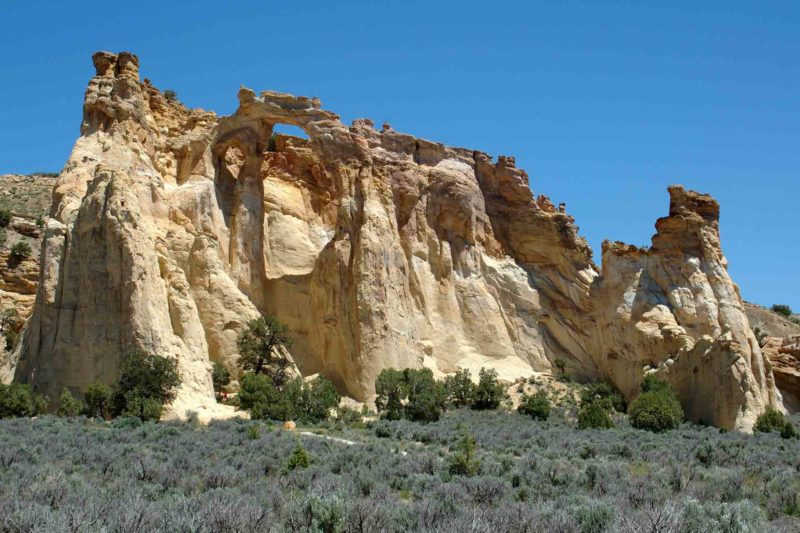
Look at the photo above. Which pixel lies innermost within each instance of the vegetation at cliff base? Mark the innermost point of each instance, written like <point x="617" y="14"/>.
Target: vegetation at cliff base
<point x="19" y="400"/>
<point x="262" y="348"/>
<point x="657" y="408"/>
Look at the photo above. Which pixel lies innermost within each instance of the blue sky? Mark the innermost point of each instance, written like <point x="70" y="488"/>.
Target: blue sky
<point x="603" y="103"/>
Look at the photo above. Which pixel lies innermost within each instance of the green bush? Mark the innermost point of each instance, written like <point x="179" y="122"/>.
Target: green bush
<point x="5" y="218"/>
<point x="220" y="377"/>
<point x="594" y="415"/>
<point x="426" y="396"/>
<point x="462" y="461"/>
<point x="459" y="388"/>
<point x="788" y="431"/>
<point x="68" y="405"/>
<point x="537" y="406"/>
<point x="782" y="309"/>
<point x="145" y="383"/>
<point x="170" y="95"/>
<point x="299" y="458"/>
<point x="20" y="251"/>
<point x="258" y="395"/>
<point x="391" y="389"/>
<point x="304" y="401"/>
<point x="17" y="400"/>
<point x="11" y="336"/>
<point x="773" y="420"/>
<point x="657" y="408"/>
<point x="348" y="415"/>
<point x="272" y="143"/>
<point x="605" y="393"/>
<point x="142" y="407"/>
<point x="769" y="421"/>
<point x="98" y="400"/>
<point x="410" y="393"/>
<point x="489" y="393"/>
<point x="316" y="399"/>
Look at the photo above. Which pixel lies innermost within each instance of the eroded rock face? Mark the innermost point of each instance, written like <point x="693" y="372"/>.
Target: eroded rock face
<point x="673" y="310"/>
<point x="784" y="356"/>
<point x="173" y="227"/>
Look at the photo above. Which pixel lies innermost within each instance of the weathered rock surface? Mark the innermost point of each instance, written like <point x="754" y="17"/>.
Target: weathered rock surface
<point x="781" y="345"/>
<point x="673" y="310"/>
<point x="784" y="356"/>
<point x="173" y="227"/>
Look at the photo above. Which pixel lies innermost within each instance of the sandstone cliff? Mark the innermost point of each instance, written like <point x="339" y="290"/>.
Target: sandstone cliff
<point x="780" y="340"/>
<point x="173" y="227"/>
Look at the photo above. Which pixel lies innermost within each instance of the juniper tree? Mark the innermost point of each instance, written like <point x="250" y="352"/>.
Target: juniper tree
<point x="261" y="348"/>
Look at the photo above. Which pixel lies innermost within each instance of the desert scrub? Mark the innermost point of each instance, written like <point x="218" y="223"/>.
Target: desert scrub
<point x="533" y="476"/>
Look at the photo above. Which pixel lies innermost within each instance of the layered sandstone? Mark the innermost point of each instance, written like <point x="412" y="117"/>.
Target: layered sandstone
<point x="673" y="310"/>
<point x="173" y="227"/>
<point x="780" y="340"/>
<point x="784" y="355"/>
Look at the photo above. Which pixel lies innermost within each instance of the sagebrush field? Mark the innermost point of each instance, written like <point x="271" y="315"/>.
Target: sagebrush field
<point x="87" y="475"/>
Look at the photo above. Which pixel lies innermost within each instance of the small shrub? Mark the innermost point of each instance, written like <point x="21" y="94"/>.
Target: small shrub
<point x="769" y="421"/>
<point x="594" y="415"/>
<point x="170" y="95"/>
<point x="605" y="393"/>
<point x="489" y="393"/>
<point x="253" y="433"/>
<point x="19" y="400"/>
<point x="773" y="420"/>
<point x="5" y="218"/>
<point x="69" y="406"/>
<point x="316" y="400"/>
<point x="782" y="309"/>
<point x="788" y="431"/>
<point x="272" y="144"/>
<point x="98" y="400"/>
<point x="459" y="388"/>
<point x="426" y="396"/>
<point x="391" y="389"/>
<point x="306" y="401"/>
<point x="299" y="458"/>
<point x="348" y="415"/>
<point x="537" y="406"/>
<point x="142" y="407"/>
<point x="561" y="365"/>
<point x="11" y="336"/>
<point x="20" y="252"/>
<point x="657" y="408"/>
<point x="462" y="461"/>
<point x="220" y="377"/>
<point x="264" y="401"/>
<point x="146" y="382"/>
<point x="411" y="394"/>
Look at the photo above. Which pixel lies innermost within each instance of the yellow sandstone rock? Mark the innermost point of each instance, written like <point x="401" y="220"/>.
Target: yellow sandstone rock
<point x="173" y="227"/>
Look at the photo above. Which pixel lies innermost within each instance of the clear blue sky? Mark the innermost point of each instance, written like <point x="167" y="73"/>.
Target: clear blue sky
<point x="603" y="103"/>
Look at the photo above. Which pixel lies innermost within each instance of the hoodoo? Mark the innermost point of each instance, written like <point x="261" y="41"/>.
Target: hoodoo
<point x="171" y="228"/>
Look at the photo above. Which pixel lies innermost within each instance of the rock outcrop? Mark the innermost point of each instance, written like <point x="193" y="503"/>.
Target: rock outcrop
<point x="779" y="337"/>
<point x="673" y="310"/>
<point x="171" y="228"/>
<point x="784" y="356"/>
